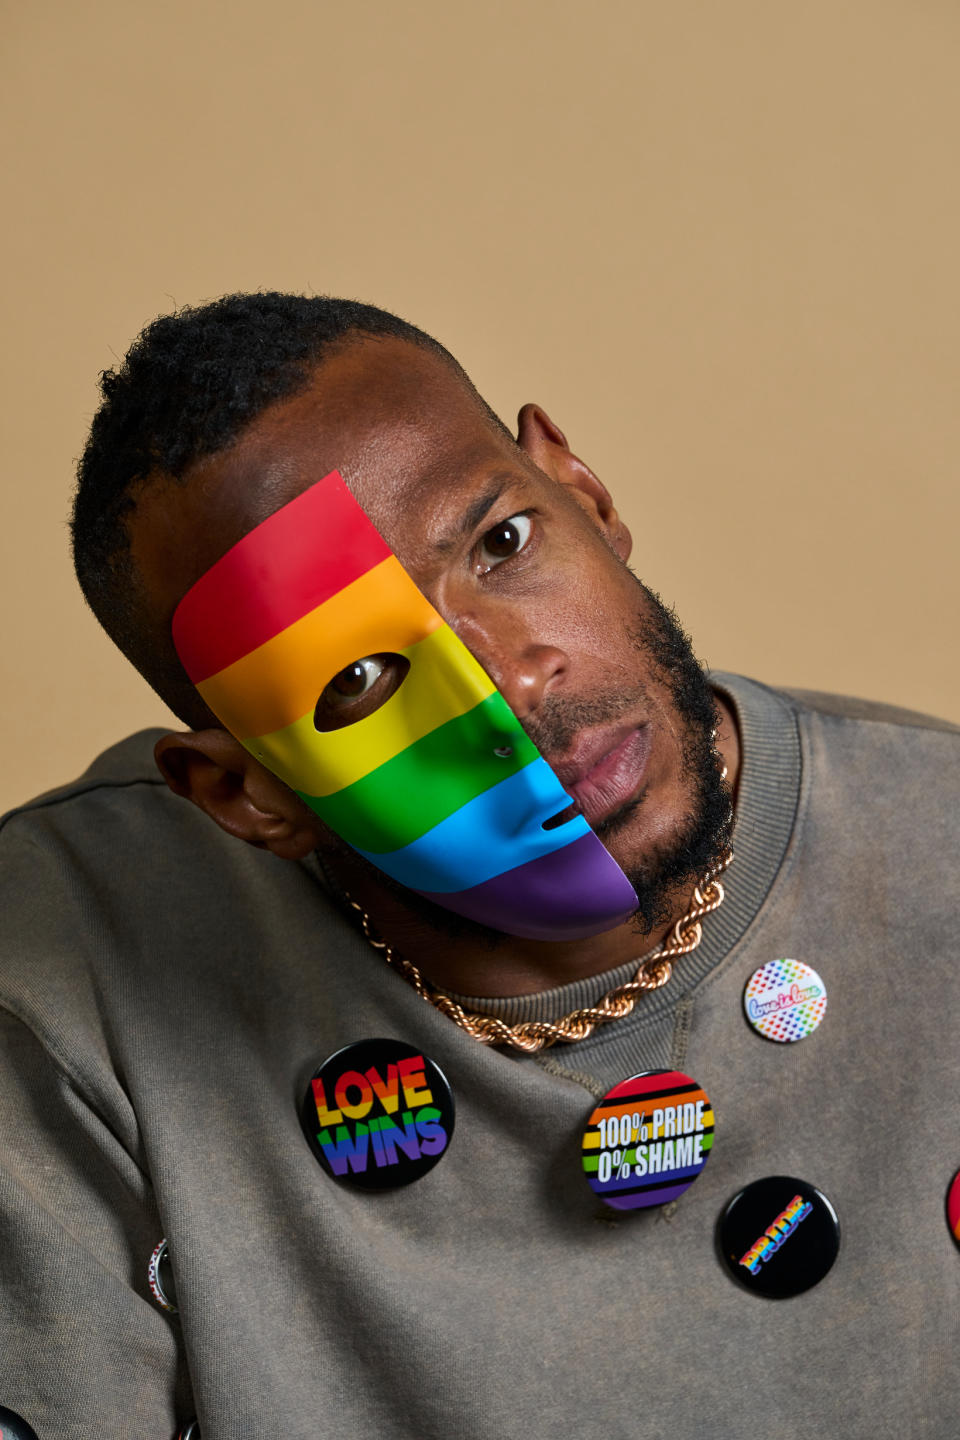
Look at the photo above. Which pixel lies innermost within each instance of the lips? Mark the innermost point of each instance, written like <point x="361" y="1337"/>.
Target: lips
<point x="602" y="773"/>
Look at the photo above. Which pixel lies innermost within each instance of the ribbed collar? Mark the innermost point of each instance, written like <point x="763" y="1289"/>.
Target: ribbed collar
<point x="767" y="798"/>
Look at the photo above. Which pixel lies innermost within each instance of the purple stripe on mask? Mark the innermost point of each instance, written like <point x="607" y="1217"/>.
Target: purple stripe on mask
<point x="577" y="891"/>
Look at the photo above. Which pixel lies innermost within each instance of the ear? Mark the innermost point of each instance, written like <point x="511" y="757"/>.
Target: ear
<point x="213" y="770"/>
<point x="547" y="447"/>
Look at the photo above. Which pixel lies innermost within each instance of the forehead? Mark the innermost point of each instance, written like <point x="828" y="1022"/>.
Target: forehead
<point x="410" y="439"/>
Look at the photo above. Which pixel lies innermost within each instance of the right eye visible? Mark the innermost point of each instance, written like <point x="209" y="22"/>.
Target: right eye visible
<point x="357" y="678"/>
<point x="358" y="690"/>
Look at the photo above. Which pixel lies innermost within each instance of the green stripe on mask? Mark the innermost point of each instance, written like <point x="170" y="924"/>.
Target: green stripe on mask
<point x="408" y="795"/>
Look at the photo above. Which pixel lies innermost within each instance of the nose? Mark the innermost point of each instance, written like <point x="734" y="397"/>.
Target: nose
<point x="523" y="669"/>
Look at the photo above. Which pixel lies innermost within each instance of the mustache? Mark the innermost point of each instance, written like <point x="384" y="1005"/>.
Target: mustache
<point x="661" y="640"/>
<point x="558" y="721"/>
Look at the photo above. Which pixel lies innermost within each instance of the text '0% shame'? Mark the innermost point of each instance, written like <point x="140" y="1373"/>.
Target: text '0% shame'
<point x="616" y="1133"/>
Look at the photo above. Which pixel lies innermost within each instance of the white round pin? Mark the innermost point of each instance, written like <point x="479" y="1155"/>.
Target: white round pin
<point x="785" y="1000"/>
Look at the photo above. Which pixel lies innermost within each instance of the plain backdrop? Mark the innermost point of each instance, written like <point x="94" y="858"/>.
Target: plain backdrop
<point x="717" y="239"/>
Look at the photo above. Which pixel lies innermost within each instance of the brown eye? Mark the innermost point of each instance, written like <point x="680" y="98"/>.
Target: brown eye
<point x="357" y="678"/>
<point x="358" y="690"/>
<point x="506" y="539"/>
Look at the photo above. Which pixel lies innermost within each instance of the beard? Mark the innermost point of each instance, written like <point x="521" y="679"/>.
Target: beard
<point x="703" y="832"/>
<point x="701" y="836"/>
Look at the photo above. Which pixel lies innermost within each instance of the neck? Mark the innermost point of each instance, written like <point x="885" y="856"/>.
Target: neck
<point x="475" y="964"/>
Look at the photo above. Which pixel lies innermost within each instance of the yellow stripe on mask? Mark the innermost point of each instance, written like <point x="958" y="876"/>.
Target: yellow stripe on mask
<point x="444" y="682"/>
<point x="280" y="681"/>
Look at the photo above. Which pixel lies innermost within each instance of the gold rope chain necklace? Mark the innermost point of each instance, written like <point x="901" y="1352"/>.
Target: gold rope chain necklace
<point x="531" y="1035"/>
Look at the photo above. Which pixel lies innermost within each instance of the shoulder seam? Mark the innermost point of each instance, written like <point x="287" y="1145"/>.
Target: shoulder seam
<point x="60" y="1064"/>
<point x="47" y="802"/>
<point x="884" y="712"/>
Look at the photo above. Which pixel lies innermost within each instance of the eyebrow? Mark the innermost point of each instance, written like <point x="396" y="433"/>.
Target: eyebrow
<point x="474" y="513"/>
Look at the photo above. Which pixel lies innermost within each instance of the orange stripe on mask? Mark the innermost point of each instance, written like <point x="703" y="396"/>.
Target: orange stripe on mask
<point x="281" y="680"/>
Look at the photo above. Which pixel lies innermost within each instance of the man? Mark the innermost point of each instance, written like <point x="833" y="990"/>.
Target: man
<point x="179" y="1005"/>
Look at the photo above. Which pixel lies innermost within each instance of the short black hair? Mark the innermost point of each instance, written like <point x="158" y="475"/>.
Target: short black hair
<point x="190" y="383"/>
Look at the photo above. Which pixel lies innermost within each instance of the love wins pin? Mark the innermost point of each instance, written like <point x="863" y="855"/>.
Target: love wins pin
<point x="378" y="1114"/>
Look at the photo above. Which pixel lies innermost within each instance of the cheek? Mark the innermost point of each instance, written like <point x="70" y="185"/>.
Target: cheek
<point x="591" y="608"/>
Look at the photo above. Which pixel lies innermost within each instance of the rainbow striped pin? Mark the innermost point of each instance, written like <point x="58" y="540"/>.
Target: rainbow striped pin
<point x="953" y="1207"/>
<point x="648" y="1139"/>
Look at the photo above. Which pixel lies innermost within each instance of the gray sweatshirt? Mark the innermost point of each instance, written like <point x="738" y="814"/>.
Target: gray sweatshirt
<point x="167" y="993"/>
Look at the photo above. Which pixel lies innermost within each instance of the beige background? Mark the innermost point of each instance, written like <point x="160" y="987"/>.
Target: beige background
<point x="717" y="239"/>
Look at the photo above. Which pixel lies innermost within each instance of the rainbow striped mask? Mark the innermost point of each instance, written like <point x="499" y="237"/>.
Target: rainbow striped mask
<point x="440" y="787"/>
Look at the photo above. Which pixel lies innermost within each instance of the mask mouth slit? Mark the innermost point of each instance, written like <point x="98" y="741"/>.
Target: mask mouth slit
<point x="570" y="812"/>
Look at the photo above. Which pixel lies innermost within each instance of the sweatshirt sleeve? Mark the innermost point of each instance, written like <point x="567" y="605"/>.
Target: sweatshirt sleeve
<point x="85" y="1350"/>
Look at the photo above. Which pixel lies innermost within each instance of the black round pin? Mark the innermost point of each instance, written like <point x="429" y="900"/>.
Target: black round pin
<point x="14" y="1427"/>
<point x="378" y="1114"/>
<point x="779" y="1236"/>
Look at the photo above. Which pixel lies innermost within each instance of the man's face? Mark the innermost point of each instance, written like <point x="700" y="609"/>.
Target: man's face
<point x="318" y="652"/>
<point x="518" y="554"/>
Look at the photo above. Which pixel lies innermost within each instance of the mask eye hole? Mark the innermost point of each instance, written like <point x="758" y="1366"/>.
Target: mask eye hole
<point x="358" y="690"/>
